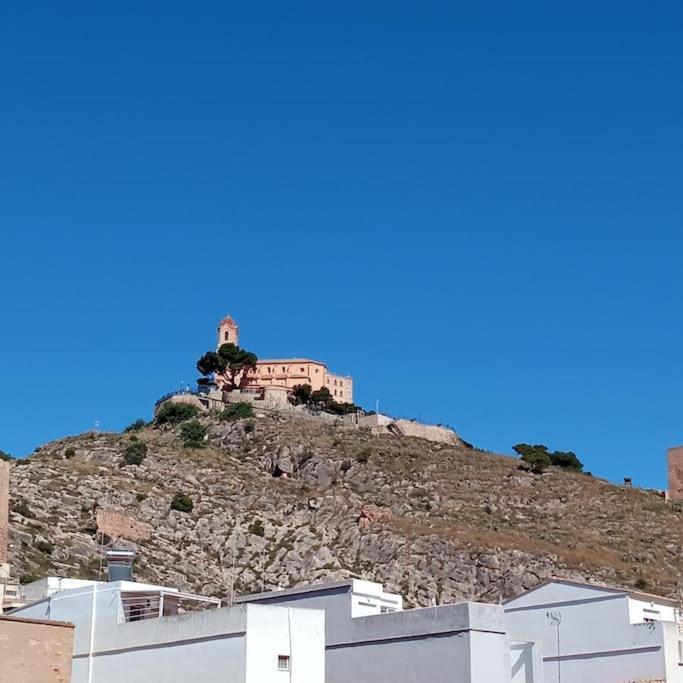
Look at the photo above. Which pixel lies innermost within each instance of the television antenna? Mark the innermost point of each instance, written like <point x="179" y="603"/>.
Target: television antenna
<point x="555" y="619"/>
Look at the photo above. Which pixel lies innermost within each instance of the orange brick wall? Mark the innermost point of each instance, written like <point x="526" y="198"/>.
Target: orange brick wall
<point x="118" y="524"/>
<point x="35" y="651"/>
<point x="676" y="473"/>
<point x="4" y="510"/>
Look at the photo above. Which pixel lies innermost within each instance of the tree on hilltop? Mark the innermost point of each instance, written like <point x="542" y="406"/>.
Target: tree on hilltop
<point x="301" y="394"/>
<point x="230" y="364"/>
<point x="540" y="458"/>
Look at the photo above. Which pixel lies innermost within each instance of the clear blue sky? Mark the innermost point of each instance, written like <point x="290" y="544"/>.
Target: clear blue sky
<point x="476" y="213"/>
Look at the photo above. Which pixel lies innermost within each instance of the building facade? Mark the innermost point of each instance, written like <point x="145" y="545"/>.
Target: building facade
<point x="369" y="637"/>
<point x="675" y="491"/>
<point x="134" y="632"/>
<point x="594" y="633"/>
<point x="288" y="372"/>
<point x="35" y="650"/>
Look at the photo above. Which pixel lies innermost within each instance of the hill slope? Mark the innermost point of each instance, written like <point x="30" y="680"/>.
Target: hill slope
<point x="298" y="500"/>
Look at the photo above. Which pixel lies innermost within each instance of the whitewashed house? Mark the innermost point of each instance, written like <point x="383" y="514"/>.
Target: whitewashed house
<point x="135" y="632"/>
<point x="369" y="637"/>
<point x="591" y="633"/>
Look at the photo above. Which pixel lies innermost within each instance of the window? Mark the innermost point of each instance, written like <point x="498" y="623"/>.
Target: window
<point x="316" y="371"/>
<point x="301" y="370"/>
<point x="283" y="662"/>
<point x="226" y="335"/>
<point x="284" y="369"/>
<point x="386" y="610"/>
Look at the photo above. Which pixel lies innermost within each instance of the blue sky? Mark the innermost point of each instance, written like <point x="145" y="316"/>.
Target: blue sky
<point x="476" y="213"/>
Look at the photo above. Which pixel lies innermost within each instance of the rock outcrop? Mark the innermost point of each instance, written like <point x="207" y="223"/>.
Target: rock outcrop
<point x="289" y="500"/>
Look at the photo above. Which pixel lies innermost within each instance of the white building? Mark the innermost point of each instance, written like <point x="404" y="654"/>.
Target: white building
<point x="591" y="633"/>
<point x="370" y="638"/>
<point x="135" y="632"/>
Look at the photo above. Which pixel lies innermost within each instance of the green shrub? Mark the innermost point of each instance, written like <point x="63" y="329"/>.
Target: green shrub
<point x="174" y="413"/>
<point x="567" y="460"/>
<point x="257" y="528"/>
<point x="69" y="453"/>
<point x="192" y="434"/>
<point x="140" y="497"/>
<point x="236" y="411"/>
<point x="364" y="455"/>
<point x="538" y="456"/>
<point x="134" y="426"/>
<point x="537" y="460"/>
<point x="641" y="584"/>
<point x="5" y="456"/>
<point x="28" y="577"/>
<point x="182" y="503"/>
<point x="135" y="453"/>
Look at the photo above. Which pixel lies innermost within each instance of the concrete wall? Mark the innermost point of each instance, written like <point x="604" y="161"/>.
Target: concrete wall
<point x="675" y="462"/>
<point x="35" y="651"/>
<point x="298" y="633"/>
<point x="462" y="643"/>
<point x="429" y="432"/>
<point x="597" y="641"/>
<point x="225" y="645"/>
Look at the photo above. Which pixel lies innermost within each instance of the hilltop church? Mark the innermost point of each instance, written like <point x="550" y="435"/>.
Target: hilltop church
<point x="288" y="372"/>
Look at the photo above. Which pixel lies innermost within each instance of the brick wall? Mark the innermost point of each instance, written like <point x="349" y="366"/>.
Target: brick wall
<point x="676" y="473"/>
<point x="4" y="510"/>
<point x="117" y="524"/>
<point x="34" y="651"/>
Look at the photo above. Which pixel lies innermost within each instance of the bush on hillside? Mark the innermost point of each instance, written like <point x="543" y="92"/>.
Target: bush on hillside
<point x="174" y="413"/>
<point x="257" y="528"/>
<point x="537" y="461"/>
<point x="135" y="453"/>
<point x="236" y="411"/>
<point x="192" y="434"/>
<point x="182" y="503"/>
<point x="70" y="452"/>
<point x="539" y="456"/>
<point x="5" y="456"/>
<point x="567" y="460"/>
<point x="134" y="426"/>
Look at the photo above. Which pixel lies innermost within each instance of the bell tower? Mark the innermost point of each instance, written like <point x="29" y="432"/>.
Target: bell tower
<point x="228" y="332"/>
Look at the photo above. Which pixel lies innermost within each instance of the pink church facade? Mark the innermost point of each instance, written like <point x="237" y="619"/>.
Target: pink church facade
<point x="288" y="372"/>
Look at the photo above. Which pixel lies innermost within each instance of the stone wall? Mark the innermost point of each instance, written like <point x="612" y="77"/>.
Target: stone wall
<point x="423" y="431"/>
<point x="33" y="651"/>
<point x="4" y="511"/>
<point x="676" y="474"/>
<point x="116" y="523"/>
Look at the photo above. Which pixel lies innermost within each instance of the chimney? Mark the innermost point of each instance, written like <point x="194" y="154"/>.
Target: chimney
<point x="120" y="565"/>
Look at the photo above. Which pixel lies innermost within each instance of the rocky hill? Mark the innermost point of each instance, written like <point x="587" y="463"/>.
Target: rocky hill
<point x="296" y="500"/>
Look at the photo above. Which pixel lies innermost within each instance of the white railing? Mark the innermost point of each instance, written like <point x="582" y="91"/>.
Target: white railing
<point x="139" y="606"/>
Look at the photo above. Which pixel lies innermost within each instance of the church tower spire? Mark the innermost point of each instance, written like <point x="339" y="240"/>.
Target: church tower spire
<point x="228" y="332"/>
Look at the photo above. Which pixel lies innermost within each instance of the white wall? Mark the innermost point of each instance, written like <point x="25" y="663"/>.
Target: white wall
<point x="463" y="643"/>
<point x="597" y="640"/>
<point x="274" y="631"/>
<point x="640" y="610"/>
<point x="526" y="663"/>
<point x="210" y="645"/>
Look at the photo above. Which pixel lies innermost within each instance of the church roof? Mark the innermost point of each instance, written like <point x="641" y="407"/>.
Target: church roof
<point x="228" y="320"/>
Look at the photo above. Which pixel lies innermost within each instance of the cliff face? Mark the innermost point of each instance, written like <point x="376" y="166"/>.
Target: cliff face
<point x="290" y="500"/>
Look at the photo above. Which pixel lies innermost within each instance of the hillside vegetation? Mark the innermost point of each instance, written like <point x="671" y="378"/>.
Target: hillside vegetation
<point x="293" y="500"/>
